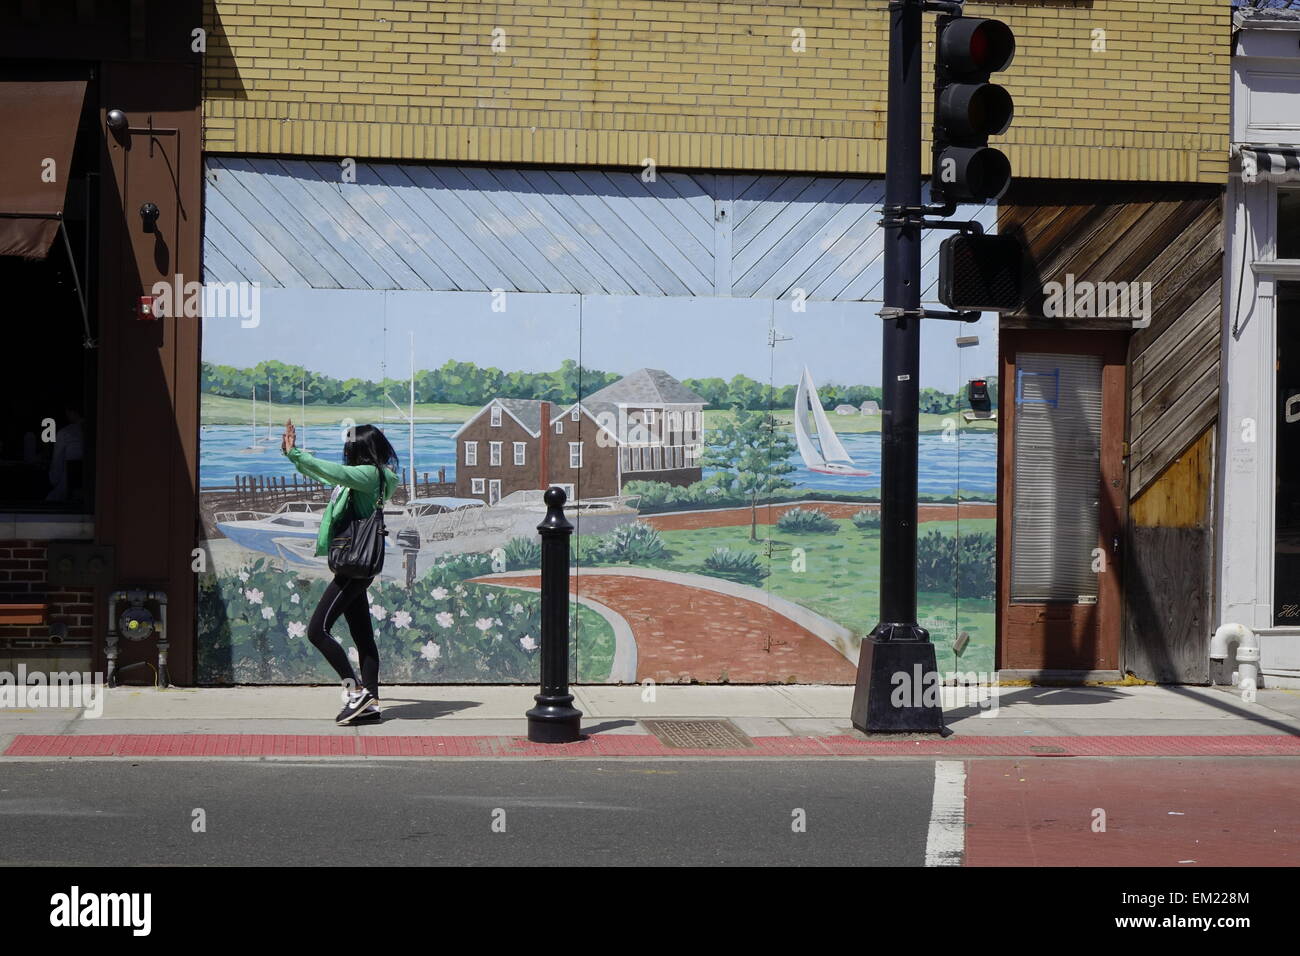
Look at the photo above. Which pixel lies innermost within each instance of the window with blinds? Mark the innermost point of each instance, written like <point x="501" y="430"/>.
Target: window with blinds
<point x="1057" y="477"/>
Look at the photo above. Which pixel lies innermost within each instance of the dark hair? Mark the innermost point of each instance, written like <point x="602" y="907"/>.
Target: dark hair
<point x="368" y="446"/>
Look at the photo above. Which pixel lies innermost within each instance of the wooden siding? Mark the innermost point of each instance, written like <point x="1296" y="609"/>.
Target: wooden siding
<point x="1170" y="236"/>
<point x="1168" y="570"/>
<point x="292" y="224"/>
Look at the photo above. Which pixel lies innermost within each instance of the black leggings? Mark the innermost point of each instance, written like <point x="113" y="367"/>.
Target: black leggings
<point x="347" y="596"/>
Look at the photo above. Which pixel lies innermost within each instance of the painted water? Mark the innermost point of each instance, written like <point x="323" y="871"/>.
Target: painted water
<point x="965" y="458"/>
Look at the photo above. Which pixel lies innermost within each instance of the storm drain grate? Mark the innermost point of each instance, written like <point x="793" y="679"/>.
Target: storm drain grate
<point x="699" y="734"/>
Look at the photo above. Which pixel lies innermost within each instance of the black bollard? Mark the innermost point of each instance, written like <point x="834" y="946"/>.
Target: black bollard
<point x="555" y="720"/>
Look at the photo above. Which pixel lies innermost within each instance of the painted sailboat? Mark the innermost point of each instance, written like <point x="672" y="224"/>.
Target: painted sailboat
<point x="827" y="454"/>
<point x="258" y="444"/>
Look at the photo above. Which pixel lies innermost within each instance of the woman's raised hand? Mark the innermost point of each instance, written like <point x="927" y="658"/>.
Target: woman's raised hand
<point x="290" y="436"/>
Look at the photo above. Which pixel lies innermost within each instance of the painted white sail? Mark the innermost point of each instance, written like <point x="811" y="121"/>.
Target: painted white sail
<point x="832" y="449"/>
<point x="807" y="450"/>
<point x="827" y="454"/>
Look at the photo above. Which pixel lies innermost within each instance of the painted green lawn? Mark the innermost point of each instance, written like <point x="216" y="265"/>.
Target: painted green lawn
<point x="593" y="642"/>
<point x="854" y="424"/>
<point x="840" y="580"/>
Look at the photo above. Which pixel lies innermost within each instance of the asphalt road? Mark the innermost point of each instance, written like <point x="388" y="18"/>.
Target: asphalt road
<point x="339" y="812"/>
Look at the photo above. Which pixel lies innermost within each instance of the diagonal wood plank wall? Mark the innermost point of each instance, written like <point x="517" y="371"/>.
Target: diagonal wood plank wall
<point x="1170" y="236"/>
<point x="292" y="223"/>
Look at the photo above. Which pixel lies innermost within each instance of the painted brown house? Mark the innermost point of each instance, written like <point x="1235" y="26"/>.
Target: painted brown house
<point x="646" y="426"/>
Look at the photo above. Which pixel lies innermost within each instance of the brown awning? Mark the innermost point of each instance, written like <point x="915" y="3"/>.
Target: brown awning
<point x="40" y="120"/>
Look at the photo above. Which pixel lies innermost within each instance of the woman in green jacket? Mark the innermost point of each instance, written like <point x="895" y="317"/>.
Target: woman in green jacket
<point x="368" y="460"/>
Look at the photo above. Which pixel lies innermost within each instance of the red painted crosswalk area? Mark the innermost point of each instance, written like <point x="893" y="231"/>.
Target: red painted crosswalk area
<point x="1162" y="813"/>
<point x="635" y="745"/>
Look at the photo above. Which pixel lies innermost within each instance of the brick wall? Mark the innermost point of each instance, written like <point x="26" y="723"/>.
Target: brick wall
<point x="702" y="84"/>
<point x="23" y="581"/>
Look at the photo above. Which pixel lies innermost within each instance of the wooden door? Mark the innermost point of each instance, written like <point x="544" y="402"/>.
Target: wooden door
<point x="1061" y="500"/>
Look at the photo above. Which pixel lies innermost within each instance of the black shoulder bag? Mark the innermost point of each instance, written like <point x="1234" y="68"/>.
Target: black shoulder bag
<point x="357" y="551"/>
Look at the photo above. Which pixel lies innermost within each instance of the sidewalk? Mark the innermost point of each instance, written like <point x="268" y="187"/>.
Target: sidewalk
<point x="790" y="720"/>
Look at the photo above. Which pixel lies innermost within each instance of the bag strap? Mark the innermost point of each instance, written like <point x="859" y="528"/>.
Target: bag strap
<point x="379" y="492"/>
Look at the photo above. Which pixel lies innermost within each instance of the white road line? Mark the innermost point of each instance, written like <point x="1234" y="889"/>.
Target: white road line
<point x="946" y="841"/>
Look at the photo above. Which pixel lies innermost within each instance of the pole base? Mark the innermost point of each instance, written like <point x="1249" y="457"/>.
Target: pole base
<point x="554" y="720"/>
<point x="898" y="688"/>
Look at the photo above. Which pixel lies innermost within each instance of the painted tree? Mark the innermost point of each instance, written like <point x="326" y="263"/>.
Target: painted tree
<point x="751" y="449"/>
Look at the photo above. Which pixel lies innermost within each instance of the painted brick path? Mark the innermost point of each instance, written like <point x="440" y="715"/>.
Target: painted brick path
<point x="683" y="633"/>
<point x="641" y="745"/>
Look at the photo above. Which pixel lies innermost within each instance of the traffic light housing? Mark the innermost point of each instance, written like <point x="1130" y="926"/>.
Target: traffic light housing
<point x="968" y="109"/>
<point x="981" y="273"/>
<point x="977" y="393"/>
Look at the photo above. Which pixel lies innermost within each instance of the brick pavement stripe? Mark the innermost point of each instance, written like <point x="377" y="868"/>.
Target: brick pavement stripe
<point x="1131" y="813"/>
<point x="638" y="745"/>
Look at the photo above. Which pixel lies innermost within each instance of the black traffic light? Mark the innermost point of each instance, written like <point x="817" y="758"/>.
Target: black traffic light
<point x="977" y="392"/>
<point x="981" y="273"/>
<point x="968" y="109"/>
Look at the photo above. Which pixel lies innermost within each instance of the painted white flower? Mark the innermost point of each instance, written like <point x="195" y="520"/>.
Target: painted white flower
<point x="459" y="589"/>
<point x="445" y="619"/>
<point x="464" y="613"/>
<point x="516" y="609"/>
<point x="288" y="582"/>
<point x="527" y="643"/>
<point x="243" y="576"/>
<point x="254" y="596"/>
<point x="401" y="619"/>
<point x="439" y="594"/>
<point x="491" y="598"/>
<point x="483" y="623"/>
<point x="497" y="621"/>
<point x="378" y="612"/>
<point x="431" y="651"/>
<point x="295" y="598"/>
<point x="297" y="629"/>
<point x="353" y="656"/>
<point x="268" y="613"/>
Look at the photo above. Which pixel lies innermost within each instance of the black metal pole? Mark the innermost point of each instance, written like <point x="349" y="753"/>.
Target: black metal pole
<point x="555" y="720"/>
<point x="896" y="667"/>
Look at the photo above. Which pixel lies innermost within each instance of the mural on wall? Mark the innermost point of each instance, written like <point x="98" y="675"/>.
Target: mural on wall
<point x="722" y="457"/>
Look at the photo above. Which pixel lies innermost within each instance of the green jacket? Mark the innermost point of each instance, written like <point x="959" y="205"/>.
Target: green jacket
<point x="363" y="479"/>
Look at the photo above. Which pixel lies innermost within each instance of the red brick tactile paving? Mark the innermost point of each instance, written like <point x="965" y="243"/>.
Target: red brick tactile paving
<point x="687" y="633"/>
<point x="767" y="514"/>
<point x="646" y="745"/>
<point x="1158" y="813"/>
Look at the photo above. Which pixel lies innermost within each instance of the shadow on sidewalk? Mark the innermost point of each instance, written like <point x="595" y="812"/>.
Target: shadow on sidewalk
<point x="1048" y="696"/>
<point x="406" y="708"/>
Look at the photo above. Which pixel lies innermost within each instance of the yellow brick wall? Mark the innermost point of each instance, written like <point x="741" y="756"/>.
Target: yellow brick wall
<point x="692" y="83"/>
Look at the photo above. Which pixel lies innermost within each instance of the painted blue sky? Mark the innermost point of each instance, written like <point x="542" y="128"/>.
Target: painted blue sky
<point x="363" y="333"/>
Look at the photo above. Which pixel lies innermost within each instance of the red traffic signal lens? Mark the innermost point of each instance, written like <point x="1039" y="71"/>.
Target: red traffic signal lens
<point x="972" y="45"/>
